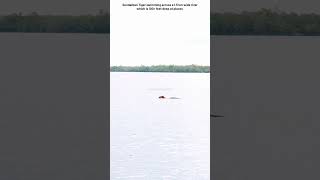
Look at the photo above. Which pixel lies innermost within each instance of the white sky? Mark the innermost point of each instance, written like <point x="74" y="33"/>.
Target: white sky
<point x="160" y="37"/>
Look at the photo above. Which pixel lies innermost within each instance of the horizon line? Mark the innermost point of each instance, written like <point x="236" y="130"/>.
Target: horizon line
<point x="161" y="65"/>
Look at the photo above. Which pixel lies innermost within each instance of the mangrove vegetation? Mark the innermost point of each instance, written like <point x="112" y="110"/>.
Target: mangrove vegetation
<point x="162" y="68"/>
<point x="33" y="22"/>
<point x="265" y="22"/>
<point x="260" y="22"/>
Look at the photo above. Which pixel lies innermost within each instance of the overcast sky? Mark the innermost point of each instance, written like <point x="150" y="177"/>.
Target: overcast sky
<point x="92" y="6"/>
<point x="286" y="5"/>
<point x="52" y="6"/>
<point x="160" y="37"/>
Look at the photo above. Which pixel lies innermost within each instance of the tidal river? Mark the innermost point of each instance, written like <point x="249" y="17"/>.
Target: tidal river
<point x="154" y="138"/>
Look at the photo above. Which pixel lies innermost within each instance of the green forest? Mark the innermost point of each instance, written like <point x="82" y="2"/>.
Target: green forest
<point x="162" y="68"/>
<point x="33" y="22"/>
<point x="261" y="22"/>
<point x="265" y="22"/>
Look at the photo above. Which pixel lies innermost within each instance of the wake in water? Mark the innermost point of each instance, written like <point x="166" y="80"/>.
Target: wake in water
<point x="163" y="97"/>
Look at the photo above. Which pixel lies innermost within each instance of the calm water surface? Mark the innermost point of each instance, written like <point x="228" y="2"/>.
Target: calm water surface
<point x="53" y="91"/>
<point x="268" y="90"/>
<point x="155" y="138"/>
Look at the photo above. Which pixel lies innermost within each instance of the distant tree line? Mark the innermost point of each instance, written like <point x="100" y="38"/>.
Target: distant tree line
<point x="33" y="22"/>
<point x="265" y="22"/>
<point x="261" y="22"/>
<point x="162" y="68"/>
